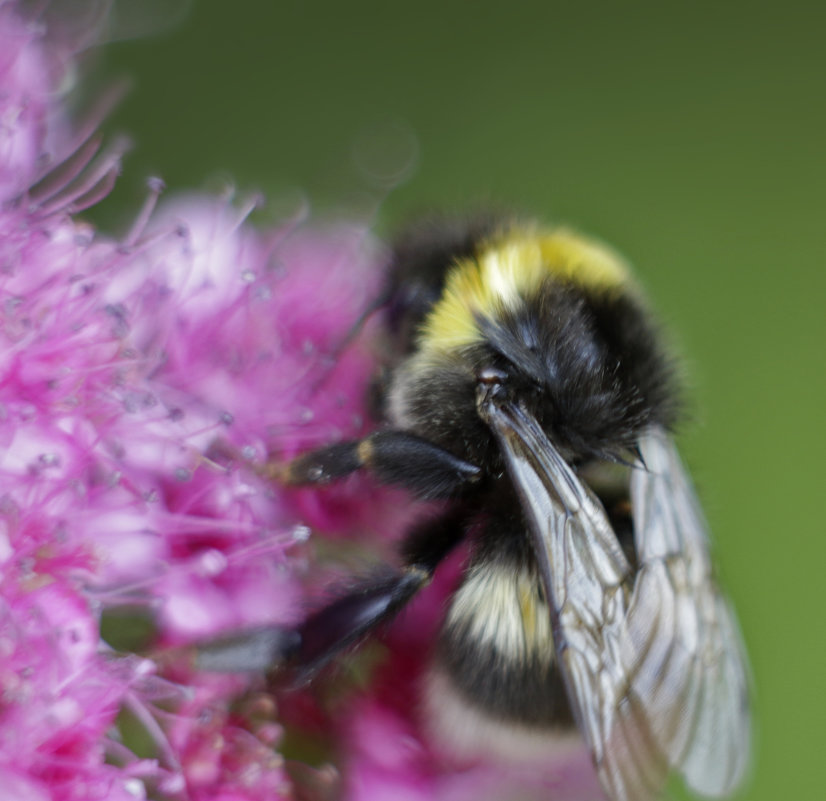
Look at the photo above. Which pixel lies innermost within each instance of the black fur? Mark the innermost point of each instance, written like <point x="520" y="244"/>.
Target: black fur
<point x="428" y="542"/>
<point x="588" y="365"/>
<point x="529" y="693"/>
<point x="440" y="405"/>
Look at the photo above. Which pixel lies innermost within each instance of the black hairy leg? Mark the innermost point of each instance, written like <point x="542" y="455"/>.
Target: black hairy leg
<point x="393" y="457"/>
<point x="347" y="619"/>
<point x="377" y="599"/>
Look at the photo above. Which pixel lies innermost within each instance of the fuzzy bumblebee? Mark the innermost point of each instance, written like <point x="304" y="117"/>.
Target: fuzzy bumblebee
<point x="528" y="386"/>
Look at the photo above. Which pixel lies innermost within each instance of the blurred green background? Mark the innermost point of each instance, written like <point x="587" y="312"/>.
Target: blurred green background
<point x="689" y="136"/>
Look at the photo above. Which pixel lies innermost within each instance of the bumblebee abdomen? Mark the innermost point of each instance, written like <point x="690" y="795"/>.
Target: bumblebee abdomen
<point x="497" y="648"/>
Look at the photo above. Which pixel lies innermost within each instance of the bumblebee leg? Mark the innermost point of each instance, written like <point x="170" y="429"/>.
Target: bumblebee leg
<point x="308" y="647"/>
<point x="393" y="457"/>
<point x="349" y="618"/>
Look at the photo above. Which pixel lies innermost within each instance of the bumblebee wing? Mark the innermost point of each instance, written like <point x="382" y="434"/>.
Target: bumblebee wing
<point x="688" y="666"/>
<point x="651" y="662"/>
<point x="587" y="580"/>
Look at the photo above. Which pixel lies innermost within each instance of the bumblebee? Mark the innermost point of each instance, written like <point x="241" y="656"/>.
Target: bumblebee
<point x="528" y="387"/>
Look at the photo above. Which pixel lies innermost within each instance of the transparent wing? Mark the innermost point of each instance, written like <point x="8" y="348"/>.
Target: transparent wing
<point x="689" y="664"/>
<point x="652" y="663"/>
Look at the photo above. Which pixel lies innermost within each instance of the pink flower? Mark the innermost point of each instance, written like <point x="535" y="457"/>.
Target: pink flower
<point x="24" y="102"/>
<point x="123" y="366"/>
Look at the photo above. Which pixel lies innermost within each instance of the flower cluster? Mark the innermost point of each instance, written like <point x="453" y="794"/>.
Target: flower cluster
<point x="142" y="379"/>
<point x="124" y="364"/>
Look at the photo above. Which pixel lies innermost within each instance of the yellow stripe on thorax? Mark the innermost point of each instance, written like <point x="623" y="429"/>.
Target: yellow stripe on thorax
<point x="509" y="268"/>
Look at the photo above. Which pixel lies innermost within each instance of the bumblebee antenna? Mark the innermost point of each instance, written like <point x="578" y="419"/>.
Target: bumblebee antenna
<point x="347" y="340"/>
<point x="355" y="329"/>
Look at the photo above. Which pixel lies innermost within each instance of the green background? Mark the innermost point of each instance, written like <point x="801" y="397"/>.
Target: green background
<point x="690" y="137"/>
